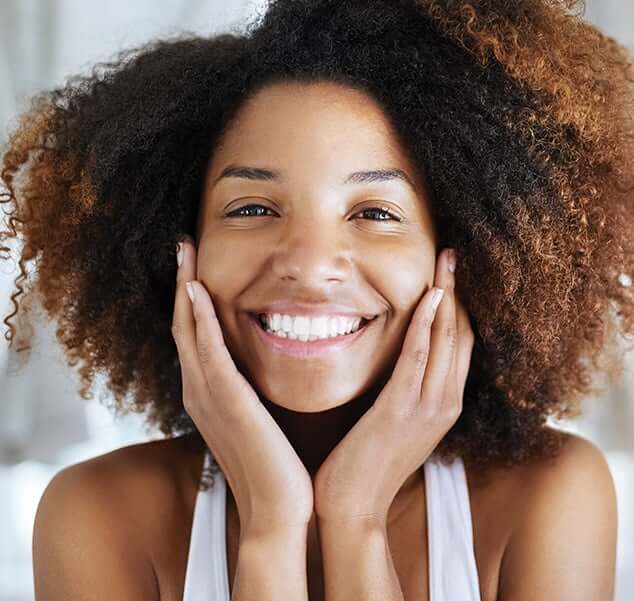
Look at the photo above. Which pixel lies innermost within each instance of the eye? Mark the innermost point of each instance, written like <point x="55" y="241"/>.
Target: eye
<point x="245" y="207"/>
<point x="387" y="214"/>
<point x="390" y="216"/>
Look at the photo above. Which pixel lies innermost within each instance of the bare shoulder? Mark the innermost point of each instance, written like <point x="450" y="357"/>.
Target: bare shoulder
<point x="536" y="526"/>
<point x="577" y="454"/>
<point x="578" y="461"/>
<point x="127" y="480"/>
<point x="562" y="540"/>
<point x="579" y="471"/>
<point x="98" y="520"/>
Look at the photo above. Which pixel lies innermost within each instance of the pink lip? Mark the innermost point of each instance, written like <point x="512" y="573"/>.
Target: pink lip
<point x="305" y="350"/>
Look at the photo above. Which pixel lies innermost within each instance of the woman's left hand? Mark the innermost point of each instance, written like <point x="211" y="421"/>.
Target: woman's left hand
<point x="411" y="415"/>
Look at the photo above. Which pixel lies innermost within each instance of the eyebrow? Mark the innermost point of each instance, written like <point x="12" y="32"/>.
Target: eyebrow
<point x="356" y="177"/>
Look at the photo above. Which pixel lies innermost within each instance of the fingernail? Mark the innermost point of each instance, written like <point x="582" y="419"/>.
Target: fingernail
<point x="451" y="261"/>
<point x="179" y="253"/>
<point x="190" y="291"/>
<point x="436" y="298"/>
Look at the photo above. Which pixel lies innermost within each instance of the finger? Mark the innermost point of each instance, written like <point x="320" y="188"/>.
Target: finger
<point x="464" y="344"/>
<point x="232" y="404"/>
<point x="455" y="384"/>
<point x="466" y="338"/>
<point x="443" y="342"/>
<point x="203" y="354"/>
<point x="184" y="328"/>
<point x="229" y="388"/>
<point x="407" y="375"/>
<point x="451" y="382"/>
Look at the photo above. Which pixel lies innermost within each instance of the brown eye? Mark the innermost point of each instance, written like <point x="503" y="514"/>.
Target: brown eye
<point x="390" y="216"/>
<point x="259" y="209"/>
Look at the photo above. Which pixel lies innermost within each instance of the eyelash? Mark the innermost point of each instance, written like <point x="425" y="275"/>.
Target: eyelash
<point x="393" y="217"/>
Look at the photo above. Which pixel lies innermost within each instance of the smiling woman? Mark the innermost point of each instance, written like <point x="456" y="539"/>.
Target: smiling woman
<point x="326" y="173"/>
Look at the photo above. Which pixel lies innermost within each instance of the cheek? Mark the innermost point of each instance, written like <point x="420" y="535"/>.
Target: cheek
<point x="404" y="277"/>
<point x="225" y="274"/>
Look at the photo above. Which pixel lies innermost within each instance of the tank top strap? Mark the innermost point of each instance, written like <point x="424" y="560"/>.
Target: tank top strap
<point x="453" y="571"/>
<point x="206" y="576"/>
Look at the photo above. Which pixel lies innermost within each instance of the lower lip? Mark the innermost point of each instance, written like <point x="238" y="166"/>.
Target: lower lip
<point x="304" y="350"/>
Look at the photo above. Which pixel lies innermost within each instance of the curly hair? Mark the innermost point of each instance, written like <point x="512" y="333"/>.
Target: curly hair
<point x="519" y="116"/>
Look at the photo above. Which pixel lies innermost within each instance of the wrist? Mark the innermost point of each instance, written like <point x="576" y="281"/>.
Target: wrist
<point x="271" y="564"/>
<point x="350" y="521"/>
<point x="351" y="527"/>
<point x="260" y="534"/>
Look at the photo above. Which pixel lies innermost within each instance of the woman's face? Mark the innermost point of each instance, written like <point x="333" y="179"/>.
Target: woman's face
<point x="314" y="239"/>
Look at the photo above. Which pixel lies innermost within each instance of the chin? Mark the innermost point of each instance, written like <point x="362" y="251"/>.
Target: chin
<point x="305" y="402"/>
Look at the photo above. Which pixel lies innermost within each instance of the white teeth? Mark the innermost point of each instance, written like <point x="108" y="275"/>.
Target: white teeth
<point x="319" y="327"/>
<point x="287" y="323"/>
<point x="305" y="328"/>
<point x="301" y="326"/>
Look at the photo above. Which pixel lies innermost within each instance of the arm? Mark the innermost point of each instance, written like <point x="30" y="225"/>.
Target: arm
<point x="565" y="546"/>
<point x="358" y="563"/>
<point x="80" y="550"/>
<point x="272" y="566"/>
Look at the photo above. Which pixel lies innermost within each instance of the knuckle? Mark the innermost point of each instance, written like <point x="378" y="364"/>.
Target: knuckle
<point x="188" y="405"/>
<point x="452" y="417"/>
<point x="204" y="352"/>
<point x="177" y="331"/>
<point x="426" y="322"/>
<point x="194" y="403"/>
<point x="453" y="411"/>
<point x="427" y="410"/>
<point x="419" y="356"/>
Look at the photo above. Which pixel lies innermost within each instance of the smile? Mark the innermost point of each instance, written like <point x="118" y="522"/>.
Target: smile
<point x="309" y="348"/>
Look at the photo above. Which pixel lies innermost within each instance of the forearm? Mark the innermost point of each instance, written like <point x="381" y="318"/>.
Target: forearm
<point x="358" y="563"/>
<point x="272" y="567"/>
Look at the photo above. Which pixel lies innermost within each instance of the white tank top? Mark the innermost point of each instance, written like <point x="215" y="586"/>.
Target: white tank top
<point x="452" y="567"/>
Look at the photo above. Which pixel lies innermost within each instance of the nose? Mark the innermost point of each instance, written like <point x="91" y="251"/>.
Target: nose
<point x="311" y="252"/>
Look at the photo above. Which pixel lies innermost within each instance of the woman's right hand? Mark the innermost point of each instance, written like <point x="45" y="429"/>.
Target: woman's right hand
<point x="272" y="488"/>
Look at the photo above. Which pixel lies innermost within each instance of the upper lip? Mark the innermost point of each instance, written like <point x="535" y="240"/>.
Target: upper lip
<point x="289" y="308"/>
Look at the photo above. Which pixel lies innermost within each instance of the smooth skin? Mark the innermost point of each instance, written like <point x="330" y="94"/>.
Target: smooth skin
<point x="322" y="456"/>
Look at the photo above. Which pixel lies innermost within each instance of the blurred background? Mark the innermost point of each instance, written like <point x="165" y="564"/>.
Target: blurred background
<point x="44" y="425"/>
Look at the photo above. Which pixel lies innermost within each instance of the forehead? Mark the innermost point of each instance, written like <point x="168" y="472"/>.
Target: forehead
<point x="328" y="122"/>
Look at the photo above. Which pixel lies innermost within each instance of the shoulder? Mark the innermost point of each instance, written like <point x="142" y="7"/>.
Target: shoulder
<point x="578" y="459"/>
<point x="579" y="473"/>
<point x="563" y="540"/>
<point x="97" y="520"/>
<point x="127" y="479"/>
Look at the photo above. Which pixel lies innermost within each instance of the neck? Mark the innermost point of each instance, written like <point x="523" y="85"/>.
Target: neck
<point x="314" y="435"/>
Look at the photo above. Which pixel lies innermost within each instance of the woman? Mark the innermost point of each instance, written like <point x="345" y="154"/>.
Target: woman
<point x="325" y="173"/>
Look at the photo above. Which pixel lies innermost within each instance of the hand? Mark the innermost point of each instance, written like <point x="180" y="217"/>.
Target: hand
<point x="272" y="488"/>
<point x="364" y="472"/>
